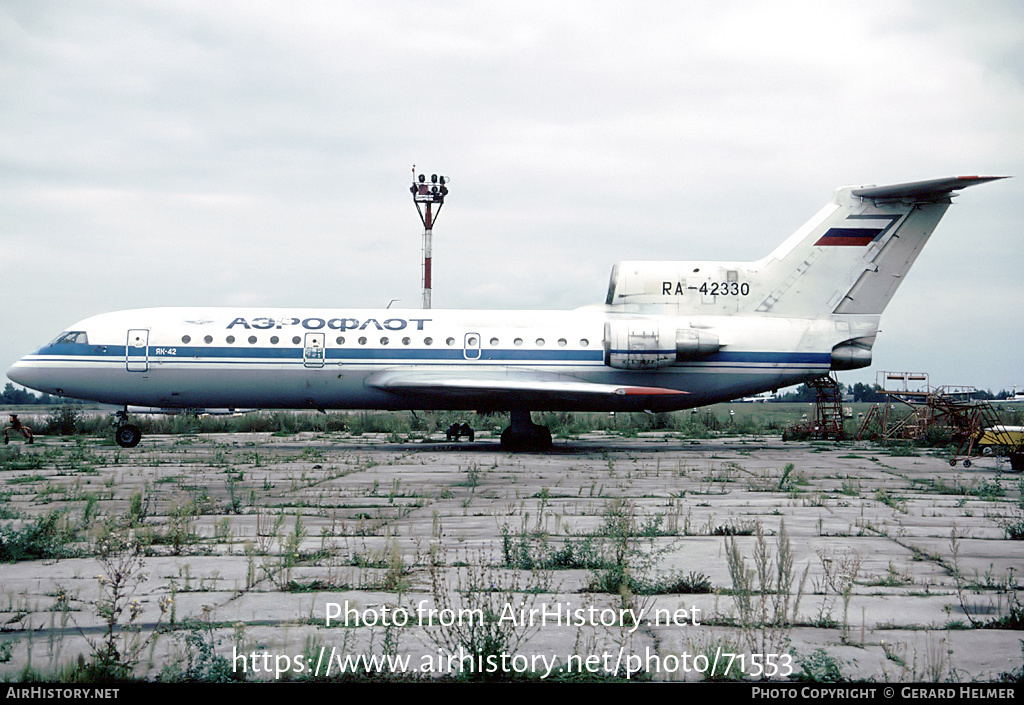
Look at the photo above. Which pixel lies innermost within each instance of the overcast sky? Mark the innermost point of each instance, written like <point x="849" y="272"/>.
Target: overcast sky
<point x="175" y="152"/>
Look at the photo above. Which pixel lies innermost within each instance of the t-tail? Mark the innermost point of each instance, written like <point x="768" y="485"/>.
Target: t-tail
<point x="843" y="265"/>
<point x="853" y="255"/>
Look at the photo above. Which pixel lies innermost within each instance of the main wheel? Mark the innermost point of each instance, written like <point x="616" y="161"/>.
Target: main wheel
<point x="127" y="436"/>
<point x="532" y="438"/>
<point x="1017" y="462"/>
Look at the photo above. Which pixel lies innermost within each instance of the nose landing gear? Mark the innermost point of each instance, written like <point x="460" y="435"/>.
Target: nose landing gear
<point x="126" y="435"/>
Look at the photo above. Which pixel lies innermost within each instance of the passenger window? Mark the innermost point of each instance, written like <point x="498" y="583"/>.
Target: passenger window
<point x="384" y="341"/>
<point x="584" y="342"/>
<point x="428" y="341"/>
<point x="230" y="339"/>
<point x="341" y="340"/>
<point x="362" y="341"/>
<point x="406" y="341"/>
<point x="296" y="340"/>
<point x="540" y="342"/>
<point x="186" y="339"/>
<point x="562" y="342"/>
<point x="208" y="339"/>
<point x="518" y="341"/>
<point x="252" y="340"/>
<point x="450" y="341"/>
<point x="274" y="340"/>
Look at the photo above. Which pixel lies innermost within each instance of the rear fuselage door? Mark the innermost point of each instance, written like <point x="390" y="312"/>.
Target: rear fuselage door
<point x="136" y="355"/>
<point x="313" y="353"/>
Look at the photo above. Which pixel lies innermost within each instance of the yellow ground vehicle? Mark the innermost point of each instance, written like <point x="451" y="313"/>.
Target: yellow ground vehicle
<point x="1003" y="440"/>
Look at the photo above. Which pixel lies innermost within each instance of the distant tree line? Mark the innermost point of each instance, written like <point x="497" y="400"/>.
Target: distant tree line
<point x="21" y="397"/>
<point x="871" y="393"/>
<point x="859" y="392"/>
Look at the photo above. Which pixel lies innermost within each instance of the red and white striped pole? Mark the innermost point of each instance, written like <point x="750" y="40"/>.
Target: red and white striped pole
<point x="426" y="193"/>
<point x="428" y="253"/>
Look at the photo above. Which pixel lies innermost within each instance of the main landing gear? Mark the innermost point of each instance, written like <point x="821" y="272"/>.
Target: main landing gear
<point x="523" y="434"/>
<point x="458" y="430"/>
<point x="126" y="435"/>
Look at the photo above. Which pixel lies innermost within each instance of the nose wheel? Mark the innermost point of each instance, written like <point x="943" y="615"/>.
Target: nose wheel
<point x="126" y="435"/>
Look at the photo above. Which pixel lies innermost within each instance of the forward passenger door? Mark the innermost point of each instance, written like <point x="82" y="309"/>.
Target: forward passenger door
<point x="136" y="351"/>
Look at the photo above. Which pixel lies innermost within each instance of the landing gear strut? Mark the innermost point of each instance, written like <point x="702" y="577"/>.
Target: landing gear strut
<point x="126" y="435"/>
<point x="523" y="434"/>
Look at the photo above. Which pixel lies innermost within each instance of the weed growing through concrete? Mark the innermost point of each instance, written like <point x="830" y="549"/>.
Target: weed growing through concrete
<point x="821" y="667"/>
<point x="763" y="595"/>
<point x="117" y="653"/>
<point x="1012" y="523"/>
<point x="482" y="598"/>
<point x="197" y="660"/>
<point x="52" y="535"/>
<point x="839" y="573"/>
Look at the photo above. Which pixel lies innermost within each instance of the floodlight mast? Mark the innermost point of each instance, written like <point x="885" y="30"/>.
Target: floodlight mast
<point x="426" y="194"/>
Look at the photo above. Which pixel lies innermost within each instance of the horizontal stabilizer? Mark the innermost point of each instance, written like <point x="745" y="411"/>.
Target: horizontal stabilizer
<point x="936" y="189"/>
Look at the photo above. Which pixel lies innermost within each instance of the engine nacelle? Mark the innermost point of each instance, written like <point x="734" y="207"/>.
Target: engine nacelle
<point x="650" y="344"/>
<point x="852" y="354"/>
<point x="692" y="344"/>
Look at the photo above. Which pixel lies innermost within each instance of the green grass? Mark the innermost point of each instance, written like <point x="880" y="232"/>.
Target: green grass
<point x="719" y="419"/>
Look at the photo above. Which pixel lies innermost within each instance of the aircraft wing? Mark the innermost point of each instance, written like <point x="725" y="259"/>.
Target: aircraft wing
<point x="492" y="387"/>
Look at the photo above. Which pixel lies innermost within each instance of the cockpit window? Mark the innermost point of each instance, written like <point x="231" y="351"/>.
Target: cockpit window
<point x="72" y="337"/>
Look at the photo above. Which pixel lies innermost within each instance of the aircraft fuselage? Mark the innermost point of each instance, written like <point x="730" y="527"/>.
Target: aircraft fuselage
<point x="330" y="359"/>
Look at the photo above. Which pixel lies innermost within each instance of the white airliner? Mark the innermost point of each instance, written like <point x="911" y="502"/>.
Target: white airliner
<point x="671" y="335"/>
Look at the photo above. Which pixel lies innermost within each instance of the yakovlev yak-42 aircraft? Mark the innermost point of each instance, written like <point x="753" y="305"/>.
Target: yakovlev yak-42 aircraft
<point x="670" y="336"/>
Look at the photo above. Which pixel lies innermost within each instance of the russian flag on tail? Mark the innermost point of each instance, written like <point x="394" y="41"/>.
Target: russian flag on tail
<point x="848" y="237"/>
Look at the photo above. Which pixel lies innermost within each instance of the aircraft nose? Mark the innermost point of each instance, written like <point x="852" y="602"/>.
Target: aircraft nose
<point x="24" y="374"/>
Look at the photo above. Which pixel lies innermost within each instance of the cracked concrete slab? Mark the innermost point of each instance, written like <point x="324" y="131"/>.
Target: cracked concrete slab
<point x="250" y="541"/>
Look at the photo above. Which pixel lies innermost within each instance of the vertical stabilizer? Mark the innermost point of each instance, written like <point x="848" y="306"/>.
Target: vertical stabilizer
<point x="848" y="259"/>
<point x="854" y="255"/>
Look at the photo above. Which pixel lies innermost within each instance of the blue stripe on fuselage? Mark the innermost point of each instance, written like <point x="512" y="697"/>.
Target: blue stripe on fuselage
<point x="243" y="355"/>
